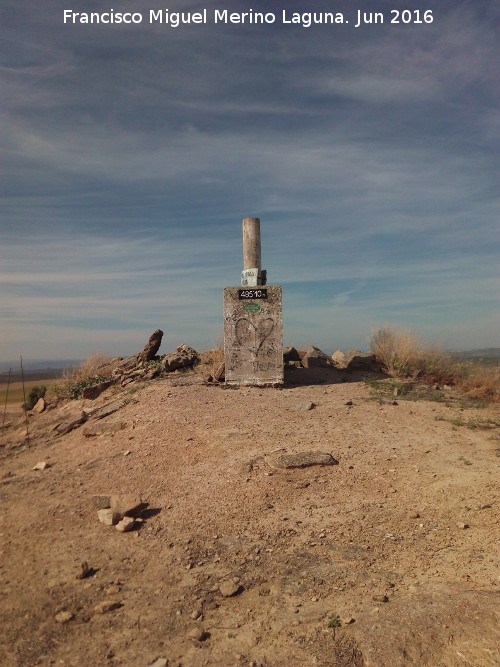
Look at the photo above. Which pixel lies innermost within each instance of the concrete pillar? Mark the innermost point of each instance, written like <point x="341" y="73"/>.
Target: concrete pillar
<point x="251" y="244"/>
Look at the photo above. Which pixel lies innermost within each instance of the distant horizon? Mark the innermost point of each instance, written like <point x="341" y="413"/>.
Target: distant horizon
<point x="27" y="361"/>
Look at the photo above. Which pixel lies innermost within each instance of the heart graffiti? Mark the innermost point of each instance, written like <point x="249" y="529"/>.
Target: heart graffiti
<point x="252" y="337"/>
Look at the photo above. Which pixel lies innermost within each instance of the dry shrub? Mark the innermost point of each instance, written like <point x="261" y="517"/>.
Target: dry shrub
<point x="211" y="360"/>
<point x="89" y="368"/>
<point x="405" y="355"/>
<point x="481" y="383"/>
<point x="399" y="350"/>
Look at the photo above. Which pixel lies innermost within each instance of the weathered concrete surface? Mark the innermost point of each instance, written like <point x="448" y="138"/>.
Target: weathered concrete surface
<point x="253" y="337"/>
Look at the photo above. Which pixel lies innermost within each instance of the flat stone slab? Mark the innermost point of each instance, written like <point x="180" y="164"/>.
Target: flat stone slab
<point x="305" y="460"/>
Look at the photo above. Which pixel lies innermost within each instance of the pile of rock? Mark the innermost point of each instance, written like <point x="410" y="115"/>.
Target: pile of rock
<point x="313" y="357"/>
<point x="121" y="511"/>
<point x="144" y="366"/>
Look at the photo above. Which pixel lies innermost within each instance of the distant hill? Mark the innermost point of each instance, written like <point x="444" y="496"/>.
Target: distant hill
<point x="489" y="356"/>
<point x="35" y="369"/>
<point x="38" y="364"/>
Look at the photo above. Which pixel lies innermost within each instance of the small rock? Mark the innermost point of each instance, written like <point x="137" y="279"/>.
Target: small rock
<point x="303" y="406"/>
<point x="395" y="403"/>
<point x="112" y="590"/>
<point x="85" y="569"/>
<point x="126" y="505"/>
<point x="463" y="526"/>
<point x="348" y="403"/>
<point x="40" y="405"/>
<point x="126" y="524"/>
<point x="64" y="616"/>
<point x="347" y="620"/>
<point x="412" y="515"/>
<point x="127" y="452"/>
<point x="101" y="502"/>
<point x="107" y="517"/>
<point x="380" y="598"/>
<point x="41" y="465"/>
<point x="159" y="662"/>
<point x="197" y="633"/>
<point x="105" y="606"/>
<point x="196" y="614"/>
<point x="229" y="588"/>
<point x="304" y="460"/>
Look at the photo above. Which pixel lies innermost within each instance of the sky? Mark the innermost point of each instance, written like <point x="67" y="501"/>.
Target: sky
<point x="130" y="153"/>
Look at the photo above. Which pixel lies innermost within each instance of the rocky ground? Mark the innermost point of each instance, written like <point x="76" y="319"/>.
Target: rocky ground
<point x="385" y="558"/>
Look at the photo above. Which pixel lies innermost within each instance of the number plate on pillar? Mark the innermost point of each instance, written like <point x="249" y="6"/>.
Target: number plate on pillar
<point x="252" y="294"/>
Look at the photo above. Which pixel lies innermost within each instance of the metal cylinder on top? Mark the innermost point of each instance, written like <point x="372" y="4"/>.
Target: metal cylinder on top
<point x="251" y="244"/>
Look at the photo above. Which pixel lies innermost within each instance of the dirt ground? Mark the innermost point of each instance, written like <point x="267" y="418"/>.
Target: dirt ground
<point x="388" y="558"/>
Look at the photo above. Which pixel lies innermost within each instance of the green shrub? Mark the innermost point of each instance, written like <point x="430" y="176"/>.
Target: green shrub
<point x="75" y="389"/>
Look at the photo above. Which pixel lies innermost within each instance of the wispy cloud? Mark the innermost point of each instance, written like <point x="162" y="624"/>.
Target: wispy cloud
<point x="130" y="158"/>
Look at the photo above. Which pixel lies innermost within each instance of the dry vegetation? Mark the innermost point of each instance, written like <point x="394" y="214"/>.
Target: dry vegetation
<point x="88" y="368"/>
<point x="404" y="355"/>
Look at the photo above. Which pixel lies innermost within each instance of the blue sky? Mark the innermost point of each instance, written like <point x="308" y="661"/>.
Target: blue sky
<point x="130" y="155"/>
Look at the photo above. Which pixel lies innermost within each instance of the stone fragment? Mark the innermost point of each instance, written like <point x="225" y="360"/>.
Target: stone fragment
<point x="159" y="662"/>
<point x="347" y="620"/>
<point x="106" y="605"/>
<point x="107" y="517"/>
<point x="112" y="590"/>
<point x="412" y="515"/>
<point x="126" y="524"/>
<point x="303" y="406"/>
<point x="40" y="405"/>
<point x="380" y="598"/>
<point x="463" y="526"/>
<point x="339" y="359"/>
<point x="66" y="427"/>
<point x="290" y="354"/>
<point x="197" y="633"/>
<point x="103" y="428"/>
<point x="183" y="357"/>
<point x="229" y="588"/>
<point x="100" y="501"/>
<point x="152" y="346"/>
<point x="316" y="358"/>
<point x="41" y="465"/>
<point x="127" y="504"/>
<point x="64" y="616"/>
<point x="84" y="570"/>
<point x="305" y="460"/>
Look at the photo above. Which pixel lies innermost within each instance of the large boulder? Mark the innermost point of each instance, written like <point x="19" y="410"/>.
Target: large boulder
<point x="183" y="357"/>
<point x="152" y="346"/>
<point x="316" y="358"/>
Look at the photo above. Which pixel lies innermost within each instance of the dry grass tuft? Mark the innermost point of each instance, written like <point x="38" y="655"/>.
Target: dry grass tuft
<point x="404" y="355"/>
<point x="211" y="360"/>
<point x="89" y="368"/>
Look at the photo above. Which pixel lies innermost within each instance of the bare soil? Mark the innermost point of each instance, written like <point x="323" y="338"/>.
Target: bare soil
<point x="388" y="558"/>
